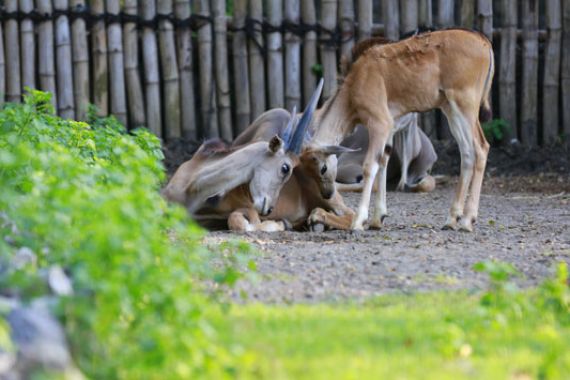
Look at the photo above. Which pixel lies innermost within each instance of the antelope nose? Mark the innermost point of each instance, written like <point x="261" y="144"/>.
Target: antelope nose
<point x="269" y="210"/>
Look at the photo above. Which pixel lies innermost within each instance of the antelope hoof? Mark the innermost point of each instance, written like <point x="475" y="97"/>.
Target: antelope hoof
<point x="377" y="223"/>
<point x="287" y="226"/>
<point x="466" y="224"/>
<point x="317" y="227"/>
<point x="357" y="226"/>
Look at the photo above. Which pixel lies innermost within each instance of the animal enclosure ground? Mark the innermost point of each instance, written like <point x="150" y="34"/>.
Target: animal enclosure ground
<point x="523" y="220"/>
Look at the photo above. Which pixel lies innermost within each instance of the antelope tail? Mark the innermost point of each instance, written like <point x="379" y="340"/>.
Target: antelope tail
<point x="485" y="111"/>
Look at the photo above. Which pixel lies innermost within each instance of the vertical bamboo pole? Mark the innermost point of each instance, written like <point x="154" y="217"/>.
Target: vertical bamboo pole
<point x="565" y="71"/>
<point x="135" y="100"/>
<point x="468" y="13"/>
<point x="328" y="50"/>
<point x="170" y="84"/>
<point x="550" y="121"/>
<point x="445" y="14"/>
<point x="99" y="56"/>
<point x="445" y="18"/>
<point x="80" y="63"/>
<point x="186" y="72"/>
<point x="292" y="58"/>
<point x="425" y="13"/>
<point x="256" y="65"/>
<point x="207" y="85"/>
<point x="46" y="63"/>
<point x="346" y="18"/>
<point x="364" y="19"/>
<point x="309" y="17"/>
<point x="391" y="19"/>
<point x="425" y="17"/>
<point x="66" y="106"/>
<point x="409" y="16"/>
<point x="2" y="67"/>
<point x="241" y="74"/>
<point x="507" y="69"/>
<point x="27" y="39"/>
<point x="221" y="70"/>
<point x="151" y="75"/>
<point x="13" y="83"/>
<point x="529" y="118"/>
<point x="275" y="55"/>
<point x="116" y="65"/>
<point x="485" y="14"/>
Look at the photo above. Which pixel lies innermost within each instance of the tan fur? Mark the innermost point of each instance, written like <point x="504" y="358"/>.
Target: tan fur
<point x="451" y="70"/>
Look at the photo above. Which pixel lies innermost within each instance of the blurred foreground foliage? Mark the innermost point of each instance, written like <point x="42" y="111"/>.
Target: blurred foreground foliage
<point x="86" y="197"/>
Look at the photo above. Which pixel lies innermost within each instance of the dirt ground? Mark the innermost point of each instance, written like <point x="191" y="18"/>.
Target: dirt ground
<point x="523" y="220"/>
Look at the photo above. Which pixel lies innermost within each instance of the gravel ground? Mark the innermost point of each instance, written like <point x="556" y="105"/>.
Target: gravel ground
<point x="523" y="220"/>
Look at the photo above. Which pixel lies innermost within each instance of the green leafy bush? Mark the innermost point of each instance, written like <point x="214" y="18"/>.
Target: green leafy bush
<point x="495" y="130"/>
<point x="86" y="198"/>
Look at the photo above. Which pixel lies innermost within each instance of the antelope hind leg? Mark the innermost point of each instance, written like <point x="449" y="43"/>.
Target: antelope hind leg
<point x="247" y="220"/>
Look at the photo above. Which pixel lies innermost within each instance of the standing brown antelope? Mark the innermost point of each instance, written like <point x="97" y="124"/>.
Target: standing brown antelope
<point x="449" y="69"/>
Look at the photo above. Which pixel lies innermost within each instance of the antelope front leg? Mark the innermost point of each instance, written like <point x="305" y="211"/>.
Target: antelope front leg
<point x="370" y="170"/>
<point x="247" y="220"/>
<point x="380" y="208"/>
<point x="330" y="220"/>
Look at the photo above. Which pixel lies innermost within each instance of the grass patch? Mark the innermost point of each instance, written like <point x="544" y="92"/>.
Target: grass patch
<point x="501" y="334"/>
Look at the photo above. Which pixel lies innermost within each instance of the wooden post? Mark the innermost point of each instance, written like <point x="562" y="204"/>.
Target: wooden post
<point x="445" y="15"/>
<point x="221" y="70"/>
<point x="256" y="65"/>
<point x="151" y="75"/>
<point x="207" y="85"/>
<point x="99" y="56"/>
<point x="391" y="19"/>
<point x="445" y="18"/>
<point x="292" y="58"/>
<point x="275" y="54"/>
<point x="425" y="13"/>
<point x="80" y="63"/>
<point x="66" y="106"/>
<point x="241" y="73"/>
<point x="186" y="72"/>
<point x="550" y="120"/>
<point x="409" y="16"/>
<point x="425" y="18"/>
<point x="13" y="83"/>
<point x="27" y="39"/>
<point x="565" y="71"/>
<point x="46" y="56"/>
<point x="328" y="50"/>
<point x="364" y="19"/>
<point x="135" y="100"/>
<point x="529" y="116"/>
<point x="507" y="69"/>
<point x="309" y="17"/>
<point x="485" y="15"/>
<point x="169" y="66"/>
<point x="116" y="65"/>
<point x="468" y="13"/>
<point x="346" y="18"/>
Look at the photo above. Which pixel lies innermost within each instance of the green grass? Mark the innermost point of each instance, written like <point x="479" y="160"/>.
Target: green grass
<point x="424" y="336"/>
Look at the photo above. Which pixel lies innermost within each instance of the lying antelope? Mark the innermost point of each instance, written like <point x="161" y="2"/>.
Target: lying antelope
<point x="224" y="179"/>
<point x="449" y="69"/>
<point x="412" y="148"/>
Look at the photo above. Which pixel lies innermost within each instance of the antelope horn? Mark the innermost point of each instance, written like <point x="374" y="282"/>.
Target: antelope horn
<point x="287" y="133"/>
<point x="303" y="125"/>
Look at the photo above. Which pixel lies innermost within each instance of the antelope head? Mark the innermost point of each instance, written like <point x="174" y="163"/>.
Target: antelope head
<point x="321" y="165"/>
<point x="275" y="169"/>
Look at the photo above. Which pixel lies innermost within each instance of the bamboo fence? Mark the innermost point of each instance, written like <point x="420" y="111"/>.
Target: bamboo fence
<point x="207" y="68"/>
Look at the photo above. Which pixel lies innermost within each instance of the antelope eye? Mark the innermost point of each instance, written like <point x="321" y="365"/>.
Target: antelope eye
<point x="285" y="169"/>
<point x="324" y="169"/>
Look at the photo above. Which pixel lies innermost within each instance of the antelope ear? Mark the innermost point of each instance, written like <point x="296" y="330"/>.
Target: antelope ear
<point x="336" y="149"/>
<point x="275" y="144"/>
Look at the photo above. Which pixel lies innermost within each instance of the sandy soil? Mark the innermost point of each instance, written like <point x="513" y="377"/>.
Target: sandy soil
<point x="524" y="221"/>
